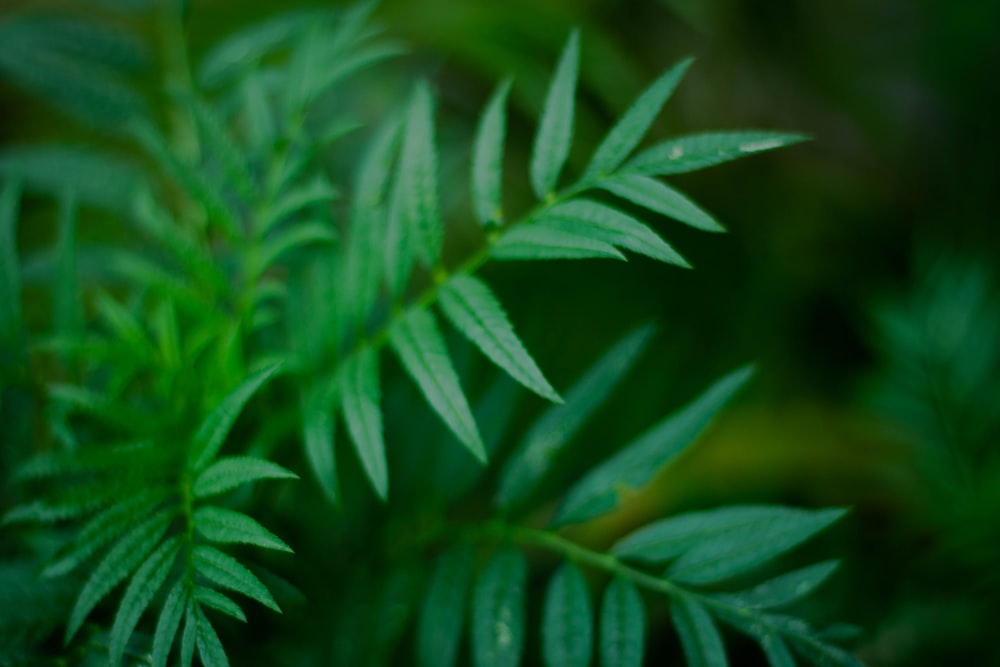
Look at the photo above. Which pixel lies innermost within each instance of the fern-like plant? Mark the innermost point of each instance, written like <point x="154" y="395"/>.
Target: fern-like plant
<point x="246" y="304"/>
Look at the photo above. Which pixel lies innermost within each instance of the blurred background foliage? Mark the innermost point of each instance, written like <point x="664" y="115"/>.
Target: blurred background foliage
<point x="860" y="271"/>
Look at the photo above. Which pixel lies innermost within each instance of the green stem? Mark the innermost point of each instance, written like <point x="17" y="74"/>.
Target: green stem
<point x="430" y="295"/>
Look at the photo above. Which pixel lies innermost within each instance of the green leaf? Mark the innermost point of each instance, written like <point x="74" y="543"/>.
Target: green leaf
<point x="776" y="651"/>
<point x="103" y="529"/>
<point x="634" y="465"/>
<point x="96" y="178"/>
<point x="418" y="343"/>
<point x="660" y="198"/>
<point x="233" y="471"/>
<point x="306" y="233"/>
<point x="146" y="582"/>
<point x="555" y="128"/>
<point x="600" y="222"/>
<point x="487" y="158"/>
<point x="231" y="527"/>
<point x="360" y="399"/>
<point x="549" y="436"/>
<point x="439" y="629"/>
<point x="715" y="544"/>
<point x="213" y="430"/>
<point x="317" y="441"/>
<point x="124" y="325"/>
<point x="540" y="241"/>
<point x="240" y="51"/>
<point x="169" y="622"/>
<point x="623" y="625"/>
<point x="786" y="589"/>
<point x="116" y="565"/>
<point x="209" y="647"/>
<point x="189" y="636"/>
<point x="10" y="271"/>
<point x="68" y="305"/>
<point x="477" y="314"/>
<point x="498" y="611"/>
<point x="399" y="249"/>
<point x="700" y="637"/>
<point x="314" y="192"/>
<point x="191" y="178"/>
<point x="258" y="114"/>
<point x="229" y="573"/>
<point x="633" y="125"/>
<point x="418" y="178"/>
<point x="219" y="143"/>
<point x="696" y="151"/>
<point x="567" y="622"/>
<point x="216" y="600"/>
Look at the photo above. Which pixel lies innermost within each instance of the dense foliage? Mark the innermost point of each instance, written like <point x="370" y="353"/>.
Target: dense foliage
<point x="174" y="383"/>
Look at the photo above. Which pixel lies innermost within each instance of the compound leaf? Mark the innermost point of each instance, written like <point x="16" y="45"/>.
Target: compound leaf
<point x="475" y="311"/>
<point x="568" y="622"/>
<point x="555" y="129"/>
<point x="417" y="340"/>
<point x="498" y="611"/>
<point x="633" y="125"/>
<point x="660" y="198"/>
<point x="623" y="625"/>
<point x="360" y="398"/>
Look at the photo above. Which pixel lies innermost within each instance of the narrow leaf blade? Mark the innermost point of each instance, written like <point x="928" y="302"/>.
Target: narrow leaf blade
<point x="568" y="622"/>
<point x="555" y="129"/>
<point x="633" y="125"/>
<point x="421" y="348"/>
<point x="168" y="623"/>
<point x="230" y="527"/>
<point x="317" y="441"/>
<point x="603" y="223"/>
<point x="549" y="436"/>
<point x="360" y="398"/>
<point x="215" y="427"/>
<point x="229" y="573"/>
<point x="146" y="582"/>
<point x="418" y="174"/>
<point x="487" y="158"/>
<point x="439" y="629"/>
<point x="661" y="198"/>
<point x="233" y="471"/>
<point x="699" y="635"/>
<point x="474" y="310"/>
<point x="696" y="151"/>
<point x="597" y="492"/>
<point x="541" y="241"/>
<point x="498" y="611"/>
<point x="623" y="626"/>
